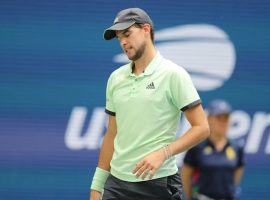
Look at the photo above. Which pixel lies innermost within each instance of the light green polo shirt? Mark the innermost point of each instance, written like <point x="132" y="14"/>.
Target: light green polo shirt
<point x="147" y="110"/>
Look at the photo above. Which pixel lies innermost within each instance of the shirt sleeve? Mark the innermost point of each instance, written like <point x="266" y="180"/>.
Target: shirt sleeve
<point x="109" y="98"/>
<point x="184" y="94"/>
<point x="191" y="158"/>
<point x="241" y="157"/>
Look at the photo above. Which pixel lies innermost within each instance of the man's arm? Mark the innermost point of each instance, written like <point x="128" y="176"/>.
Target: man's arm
<point x="186" y="173"/>
<point x="107" y="147"/>
<point x="106" y="151"/>
<point x="238" y="175"/>
<point x="199" y="131"/>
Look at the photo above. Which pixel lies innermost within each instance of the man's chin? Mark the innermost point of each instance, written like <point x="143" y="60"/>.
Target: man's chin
<point x="132" y="58"/>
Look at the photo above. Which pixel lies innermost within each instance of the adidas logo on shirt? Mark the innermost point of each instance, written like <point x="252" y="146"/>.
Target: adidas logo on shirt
<point x="151" y="86"/>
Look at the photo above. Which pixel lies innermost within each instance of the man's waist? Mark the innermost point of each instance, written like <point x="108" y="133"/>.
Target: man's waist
<point x="124" y="172"/>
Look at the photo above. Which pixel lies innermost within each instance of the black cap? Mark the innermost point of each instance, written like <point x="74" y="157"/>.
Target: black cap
<point x="218" y="107"/>
<point x="126" y="18"/>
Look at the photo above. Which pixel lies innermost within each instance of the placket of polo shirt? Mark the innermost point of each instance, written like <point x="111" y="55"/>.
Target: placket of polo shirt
<point x="133" y="85"/>
<point x="148" y="71"/>
<point x="136" y="83"/>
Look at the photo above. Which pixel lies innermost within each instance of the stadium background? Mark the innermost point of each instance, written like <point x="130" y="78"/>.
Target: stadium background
<point x="53" y="60"/>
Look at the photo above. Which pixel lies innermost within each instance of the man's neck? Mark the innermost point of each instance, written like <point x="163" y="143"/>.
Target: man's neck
<point x="141" y="64"/>
<point x="218" y="141"/>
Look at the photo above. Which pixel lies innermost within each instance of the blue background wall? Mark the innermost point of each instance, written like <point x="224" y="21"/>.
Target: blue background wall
<point x="53" y="59"/>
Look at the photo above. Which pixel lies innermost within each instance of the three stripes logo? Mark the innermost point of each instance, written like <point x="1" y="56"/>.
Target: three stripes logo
<point x="151" y="86"/>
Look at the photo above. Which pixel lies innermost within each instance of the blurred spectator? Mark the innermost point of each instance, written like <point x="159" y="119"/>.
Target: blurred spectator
<point x="213" y="169"/>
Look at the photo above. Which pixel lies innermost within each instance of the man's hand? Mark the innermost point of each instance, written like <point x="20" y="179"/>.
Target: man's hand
<point x="150" y="164"/>
<point x="95" y="195"/>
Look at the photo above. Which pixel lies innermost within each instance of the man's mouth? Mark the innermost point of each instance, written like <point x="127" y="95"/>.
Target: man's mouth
<point x="128" y="49"/>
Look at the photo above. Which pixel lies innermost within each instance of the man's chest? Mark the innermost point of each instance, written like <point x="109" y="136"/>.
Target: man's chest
<point x="210" y="158"/>
<point x="142" y="90"/>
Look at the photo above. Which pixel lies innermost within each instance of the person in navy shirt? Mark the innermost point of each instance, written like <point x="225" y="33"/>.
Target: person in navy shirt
<point x="213" y="169"/>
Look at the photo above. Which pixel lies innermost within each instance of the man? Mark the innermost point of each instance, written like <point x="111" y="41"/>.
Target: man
<point x="213" y="169"/>
<point x="144" y="100"/>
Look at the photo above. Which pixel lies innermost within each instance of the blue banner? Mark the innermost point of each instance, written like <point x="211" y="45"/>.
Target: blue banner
<point x="54" y="65"/>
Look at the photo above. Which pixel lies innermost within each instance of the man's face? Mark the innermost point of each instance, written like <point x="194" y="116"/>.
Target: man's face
<point x="133" y="41"/>
<point x="219" y="124"/>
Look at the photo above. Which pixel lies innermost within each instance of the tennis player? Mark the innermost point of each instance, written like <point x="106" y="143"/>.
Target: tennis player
<point x="144" y="101"/>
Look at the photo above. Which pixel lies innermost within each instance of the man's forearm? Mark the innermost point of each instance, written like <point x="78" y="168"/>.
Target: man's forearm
<point x="192" y="137"/>
<point x="106" y="152"/>
<point x="186" y="174"/>
<point x="105" y="157"/>
<point x="238" y="175"/>
<point x="188" y="190"/>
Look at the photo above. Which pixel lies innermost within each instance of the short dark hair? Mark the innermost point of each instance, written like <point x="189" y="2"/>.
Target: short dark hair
<point x="151" y="32"/>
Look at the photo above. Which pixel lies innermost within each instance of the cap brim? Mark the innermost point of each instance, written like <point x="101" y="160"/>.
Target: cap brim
<point x="109" y="33"/>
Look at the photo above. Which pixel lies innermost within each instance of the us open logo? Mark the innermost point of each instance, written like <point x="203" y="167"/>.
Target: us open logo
<point x="204" y="50"/>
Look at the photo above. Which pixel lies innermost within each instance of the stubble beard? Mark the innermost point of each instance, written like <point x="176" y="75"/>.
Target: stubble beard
<point x="138" y="54"/>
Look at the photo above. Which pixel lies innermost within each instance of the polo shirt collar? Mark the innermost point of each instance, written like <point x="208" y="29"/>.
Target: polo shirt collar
<point x="151" y="67"/>
<point x="210" y="143"/>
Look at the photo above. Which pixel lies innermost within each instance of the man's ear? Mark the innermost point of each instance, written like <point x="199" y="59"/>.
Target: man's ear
<point x="147" y="28"/>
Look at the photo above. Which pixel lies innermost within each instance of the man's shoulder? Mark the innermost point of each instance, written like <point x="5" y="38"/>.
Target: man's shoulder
<point x="202" y="144"/>
<point x="238" y="145"/>
<point x="122" y="70"/>
<point x="199" y="147"/>
<point x="172" y="68"/>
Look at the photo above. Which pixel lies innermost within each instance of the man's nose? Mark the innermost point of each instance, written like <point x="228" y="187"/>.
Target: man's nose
<point x="123" y="42"/>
